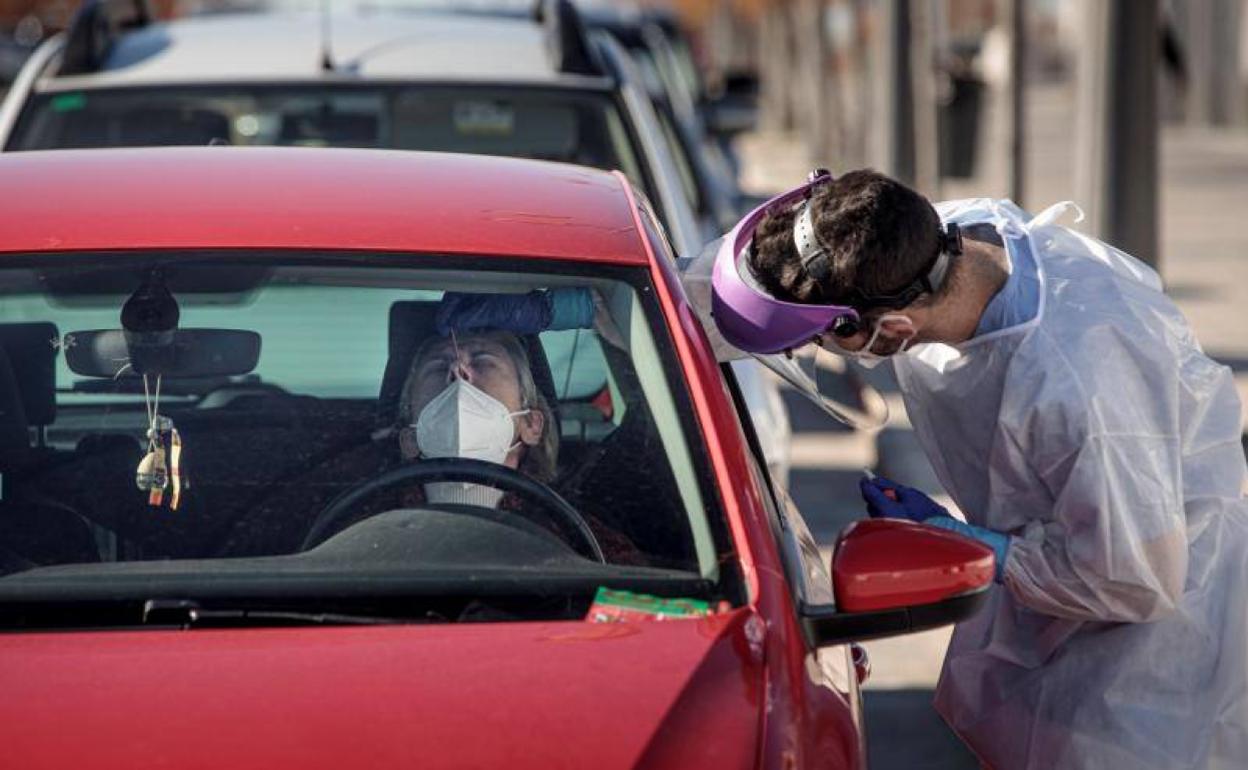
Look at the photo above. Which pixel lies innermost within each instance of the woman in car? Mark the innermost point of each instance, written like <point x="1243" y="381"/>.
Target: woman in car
<point x="473" y="395"/>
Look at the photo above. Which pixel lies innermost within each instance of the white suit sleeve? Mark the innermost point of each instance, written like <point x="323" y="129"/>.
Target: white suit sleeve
<point x="1115" y="547"/>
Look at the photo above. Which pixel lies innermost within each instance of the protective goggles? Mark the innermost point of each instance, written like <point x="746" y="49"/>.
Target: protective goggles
<point x="748" y="317"/>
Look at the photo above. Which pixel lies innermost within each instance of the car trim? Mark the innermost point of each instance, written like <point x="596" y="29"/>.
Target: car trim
<point x="824" y="625"/>
<point x="697" y="388"/>
<point x="25" y="83"/>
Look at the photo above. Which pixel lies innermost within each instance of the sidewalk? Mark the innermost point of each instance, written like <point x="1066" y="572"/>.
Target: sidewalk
<point x="1205" y="267"/>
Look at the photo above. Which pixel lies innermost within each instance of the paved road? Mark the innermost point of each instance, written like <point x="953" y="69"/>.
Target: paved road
<point x="1205" y="265"/>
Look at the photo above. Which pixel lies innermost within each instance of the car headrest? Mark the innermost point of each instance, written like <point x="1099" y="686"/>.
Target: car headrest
<point x="14" y="433"/>
<point x="414" y="321"/>
<point x="31" y="349"/>
<point x="155" y="126"/>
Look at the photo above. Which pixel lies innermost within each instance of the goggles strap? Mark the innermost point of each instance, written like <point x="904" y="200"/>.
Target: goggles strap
<point x="950" y="246"/>
<point x="936" y="276"/>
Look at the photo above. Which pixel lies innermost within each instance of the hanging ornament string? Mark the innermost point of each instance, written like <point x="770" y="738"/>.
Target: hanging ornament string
<point x="153" y="475"/>
<point x="153" y="411"/>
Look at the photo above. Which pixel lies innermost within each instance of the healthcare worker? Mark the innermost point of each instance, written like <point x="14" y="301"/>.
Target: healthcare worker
<point x="1070" y="412"/>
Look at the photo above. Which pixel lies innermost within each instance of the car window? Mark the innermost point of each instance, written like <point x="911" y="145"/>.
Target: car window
<point x="350" y="380"/>
<point x="546" y="124"/>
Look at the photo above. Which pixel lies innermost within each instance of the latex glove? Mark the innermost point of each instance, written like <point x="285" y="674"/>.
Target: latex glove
<point x="999" y="542"/>
<point x="904" y="502"/>
<point x="532" y="313"/>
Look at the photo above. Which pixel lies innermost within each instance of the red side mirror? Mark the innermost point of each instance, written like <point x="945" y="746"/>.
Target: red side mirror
<point x="896" y="577"/>
<point x="883" y="564"/>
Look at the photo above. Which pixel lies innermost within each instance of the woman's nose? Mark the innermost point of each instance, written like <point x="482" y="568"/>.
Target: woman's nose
<point x="459" y="370"/>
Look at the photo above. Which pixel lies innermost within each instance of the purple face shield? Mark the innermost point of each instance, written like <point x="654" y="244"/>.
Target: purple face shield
<point x="749" y="318"/>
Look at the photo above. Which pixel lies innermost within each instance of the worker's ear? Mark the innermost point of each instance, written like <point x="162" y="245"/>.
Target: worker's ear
<point x="530" y="427"/>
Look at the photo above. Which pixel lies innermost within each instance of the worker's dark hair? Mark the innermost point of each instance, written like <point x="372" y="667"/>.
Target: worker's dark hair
<point x="878" y="235"/>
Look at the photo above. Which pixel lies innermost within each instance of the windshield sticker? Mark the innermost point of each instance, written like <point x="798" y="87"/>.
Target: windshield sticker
<point x="618" y="606"/>
<point x="69" y="102"/>
<point x="479" y="118"/>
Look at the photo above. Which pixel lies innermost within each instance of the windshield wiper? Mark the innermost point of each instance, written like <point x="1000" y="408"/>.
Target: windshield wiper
<point x="189" y="614"/>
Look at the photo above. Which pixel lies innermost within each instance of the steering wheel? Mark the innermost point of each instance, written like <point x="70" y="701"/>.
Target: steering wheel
<point x="558" y="510"/>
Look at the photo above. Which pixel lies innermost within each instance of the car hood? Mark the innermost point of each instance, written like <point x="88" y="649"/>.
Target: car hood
<point x="516" y="694"/>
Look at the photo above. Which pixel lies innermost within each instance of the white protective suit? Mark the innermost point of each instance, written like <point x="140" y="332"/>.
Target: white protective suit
<point x="1101" y="436"/>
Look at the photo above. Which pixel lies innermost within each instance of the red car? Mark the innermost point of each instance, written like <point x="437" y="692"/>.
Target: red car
<point x="228" y="536"/>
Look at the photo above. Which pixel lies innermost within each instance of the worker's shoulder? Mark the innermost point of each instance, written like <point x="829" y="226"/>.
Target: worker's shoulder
<point x="1110" y="365"/>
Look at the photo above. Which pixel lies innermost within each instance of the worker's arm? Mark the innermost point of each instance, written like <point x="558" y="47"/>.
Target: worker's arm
<point x="1105" y="460"/>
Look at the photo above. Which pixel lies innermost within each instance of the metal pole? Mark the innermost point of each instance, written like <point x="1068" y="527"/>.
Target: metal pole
<point x="1018" y="100"/>
<point x="1117" y="137"/>
<point x="926" y="136"/>
<point x="1215" y="97"/>
<point x="892" y="113"/>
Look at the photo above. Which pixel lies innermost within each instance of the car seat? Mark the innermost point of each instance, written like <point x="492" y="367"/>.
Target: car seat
<point x="633" y="497"/>
<point x="163" y="126"/>
<point x="34" y="529"/>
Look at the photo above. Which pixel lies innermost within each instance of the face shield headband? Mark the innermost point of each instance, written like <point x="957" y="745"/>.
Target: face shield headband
<point x="748" y="317"/>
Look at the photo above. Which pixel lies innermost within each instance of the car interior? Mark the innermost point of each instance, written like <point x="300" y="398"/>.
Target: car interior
<point x="263" y="451"/>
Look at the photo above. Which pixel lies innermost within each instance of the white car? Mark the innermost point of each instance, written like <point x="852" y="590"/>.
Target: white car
<point x="496" y="84"/>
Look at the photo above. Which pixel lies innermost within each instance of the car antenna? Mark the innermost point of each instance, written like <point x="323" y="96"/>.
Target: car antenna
<point x="327" y="59"/>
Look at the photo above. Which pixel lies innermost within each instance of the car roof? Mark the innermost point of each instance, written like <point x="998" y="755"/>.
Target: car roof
<point x="373" y="45"/>
<point x="315" y="198"/>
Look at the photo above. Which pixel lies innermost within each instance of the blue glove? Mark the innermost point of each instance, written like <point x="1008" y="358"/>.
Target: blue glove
<point x="999" y="542"/>
<point x="909" y="503"/>
<point x="531" y="313"/>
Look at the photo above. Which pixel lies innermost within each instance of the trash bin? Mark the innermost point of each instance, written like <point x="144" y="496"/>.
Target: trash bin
<point x="959" y="125"/>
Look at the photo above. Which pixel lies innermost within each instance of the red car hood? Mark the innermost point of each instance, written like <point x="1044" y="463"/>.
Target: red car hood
<point x="466" y="696"/>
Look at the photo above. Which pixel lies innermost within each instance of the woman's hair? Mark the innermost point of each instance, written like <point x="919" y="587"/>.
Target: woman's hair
<point x="878" y="236"/>
<point x="538" y="461"/>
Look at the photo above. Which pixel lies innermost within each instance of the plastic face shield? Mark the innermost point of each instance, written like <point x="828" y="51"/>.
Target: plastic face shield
<point x="782" y="335"/>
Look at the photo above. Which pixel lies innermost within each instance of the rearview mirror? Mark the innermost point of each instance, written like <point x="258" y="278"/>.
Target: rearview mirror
<point x="177" y="353"/>
<point x="895" y="577"/>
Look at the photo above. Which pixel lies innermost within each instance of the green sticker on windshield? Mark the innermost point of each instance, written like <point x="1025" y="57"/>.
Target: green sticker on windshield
<point x="69" y="102"/>
<point x="616" y="606"/>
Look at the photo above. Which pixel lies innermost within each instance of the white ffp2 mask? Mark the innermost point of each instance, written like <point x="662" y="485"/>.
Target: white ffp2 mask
<point x="465" y="421"/>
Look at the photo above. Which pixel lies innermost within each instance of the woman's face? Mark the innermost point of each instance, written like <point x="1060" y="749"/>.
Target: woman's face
<point x="479" y="360"/>
<point x="482" y="361"/>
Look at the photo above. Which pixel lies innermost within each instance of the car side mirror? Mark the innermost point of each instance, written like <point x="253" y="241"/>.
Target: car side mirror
<point x="893" y="577"/>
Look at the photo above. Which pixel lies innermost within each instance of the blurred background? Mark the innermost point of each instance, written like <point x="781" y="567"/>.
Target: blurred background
<point x="1137" y="110"/>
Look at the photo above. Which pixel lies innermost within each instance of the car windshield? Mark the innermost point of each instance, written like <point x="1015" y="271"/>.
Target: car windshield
<point x="306" y="431"/>
<point x="582" y="127"/>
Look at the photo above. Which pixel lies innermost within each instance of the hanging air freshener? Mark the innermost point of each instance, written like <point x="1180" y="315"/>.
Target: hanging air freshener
<point x="152" y="475"/>
<point x="175" y="466"/>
